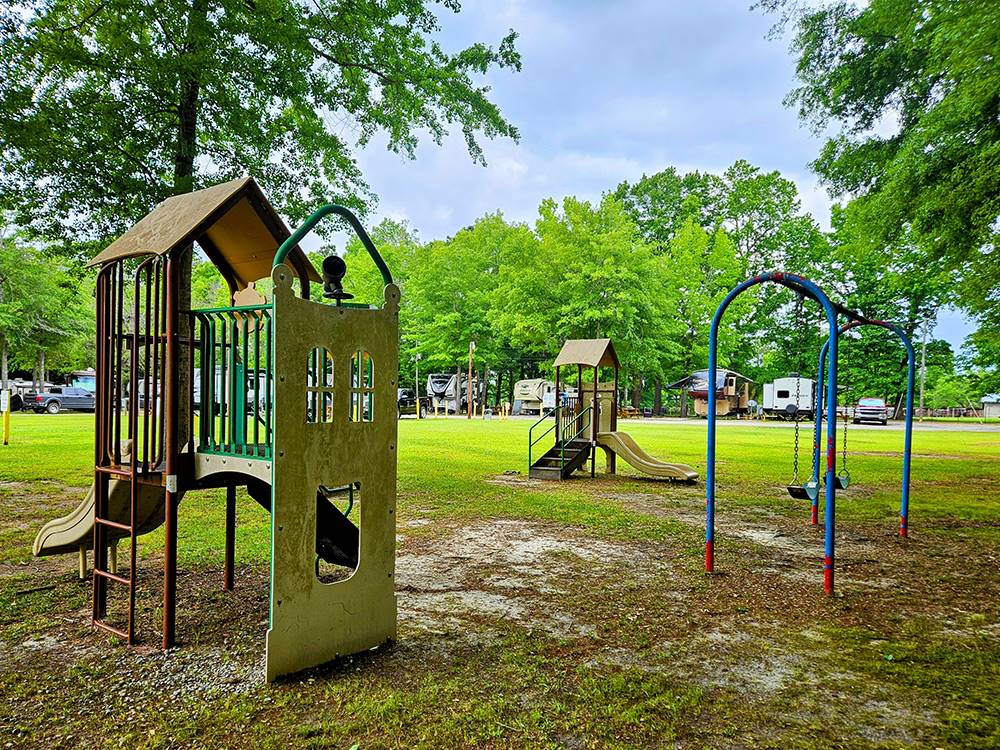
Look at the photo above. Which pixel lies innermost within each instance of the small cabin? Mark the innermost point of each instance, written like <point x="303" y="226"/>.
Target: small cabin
<point x="991" y="405"/>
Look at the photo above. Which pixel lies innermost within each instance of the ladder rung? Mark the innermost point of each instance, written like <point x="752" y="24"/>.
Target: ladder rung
<point x="110" y="628"/>
<point x="112" y="576"/>
<point x="113" y="524"/>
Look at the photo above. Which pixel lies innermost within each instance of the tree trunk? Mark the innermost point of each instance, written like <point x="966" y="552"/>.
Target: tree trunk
<point x="184" y="157"/>
<point x="636" y="392"/>
<point x="684" y="402"/>
<point x="658" y="398"/>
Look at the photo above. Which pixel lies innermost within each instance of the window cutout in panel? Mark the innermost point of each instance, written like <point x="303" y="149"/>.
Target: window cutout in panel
<point x="338" y="538"/>
<point x="362" y="387"/>
<point x="319" y="386"/>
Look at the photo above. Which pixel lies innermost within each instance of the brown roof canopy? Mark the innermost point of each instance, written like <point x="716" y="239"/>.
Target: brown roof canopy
<point x="232" y="222"/>
<point x="588" y="352"/>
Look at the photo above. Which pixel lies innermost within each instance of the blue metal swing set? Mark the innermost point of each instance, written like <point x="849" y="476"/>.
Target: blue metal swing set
<point x="807" y="289"/>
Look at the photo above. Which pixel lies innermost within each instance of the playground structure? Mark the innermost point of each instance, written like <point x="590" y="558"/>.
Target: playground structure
<point x="584" y="424"/>
<point x="806" y="289"/>
<point x="322" y="433"/>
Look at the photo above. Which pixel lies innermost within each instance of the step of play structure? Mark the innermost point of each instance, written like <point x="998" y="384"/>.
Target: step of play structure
<point x="560" y="462"/>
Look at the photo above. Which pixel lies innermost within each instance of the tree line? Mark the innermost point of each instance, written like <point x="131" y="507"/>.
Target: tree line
<point x="647" y="265"/>
<point x="107" y="107"/>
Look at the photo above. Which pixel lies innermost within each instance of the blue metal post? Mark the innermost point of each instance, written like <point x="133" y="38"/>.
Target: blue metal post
<point x="818" y="430"/>
<point x="904" y="503"/>
<point x="791" y="281"/>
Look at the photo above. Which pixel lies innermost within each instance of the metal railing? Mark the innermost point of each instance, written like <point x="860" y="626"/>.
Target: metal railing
<point x="235" y="398"/>
<point x="532" y="442"/>
<point x="574" y="426"/>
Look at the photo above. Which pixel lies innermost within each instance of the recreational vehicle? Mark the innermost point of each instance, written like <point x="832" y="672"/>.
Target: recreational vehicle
<point x="790" y="396"/>
<point x="449" y="392"/>
<point x="732" y="392"/>
<point x="530" y="395"/>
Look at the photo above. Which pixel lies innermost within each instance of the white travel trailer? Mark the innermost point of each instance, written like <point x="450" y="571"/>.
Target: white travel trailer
<point x="789" y="396"/>
<point x="449" y="392"/>
<point x="530" y="395"/>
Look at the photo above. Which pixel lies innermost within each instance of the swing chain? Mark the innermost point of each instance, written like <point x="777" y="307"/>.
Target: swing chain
<point x="847" y="417"/>
<point x="798" y="399"/>
<point x="795" y="454"/>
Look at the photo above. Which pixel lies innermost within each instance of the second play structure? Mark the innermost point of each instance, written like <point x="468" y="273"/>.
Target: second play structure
<point x="295" y="401"/>
<point x="581" y="425"/>
<point x="833" y="480"/>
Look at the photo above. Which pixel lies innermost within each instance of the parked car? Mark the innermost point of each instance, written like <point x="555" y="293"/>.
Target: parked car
<point x="871" y="410"/>
<point x="56" y="399"/>
<point x="406" y="403"/>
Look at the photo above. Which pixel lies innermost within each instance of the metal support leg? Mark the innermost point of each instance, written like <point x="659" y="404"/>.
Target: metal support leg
<point x="169" y="570"/>
<point x="230" y="537"/>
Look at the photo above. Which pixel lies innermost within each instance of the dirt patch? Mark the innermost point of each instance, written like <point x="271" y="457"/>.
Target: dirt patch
<point x="516" y="480"/>
<point x="507" y="570"/>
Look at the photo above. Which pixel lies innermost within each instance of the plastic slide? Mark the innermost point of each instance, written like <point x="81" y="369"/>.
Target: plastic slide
<point x="622" y="444"/>
<point x="76" y="530"/>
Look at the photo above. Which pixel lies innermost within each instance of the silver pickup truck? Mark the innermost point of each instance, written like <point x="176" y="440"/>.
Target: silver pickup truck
<point x="871" y="410"/>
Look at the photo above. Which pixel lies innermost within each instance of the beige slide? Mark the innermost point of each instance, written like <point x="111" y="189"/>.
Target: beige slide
<point x="75" y="531"/>
<point x="622" y="444"/>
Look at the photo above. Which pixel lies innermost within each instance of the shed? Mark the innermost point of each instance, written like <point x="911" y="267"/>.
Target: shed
<point x="991" y="405"/>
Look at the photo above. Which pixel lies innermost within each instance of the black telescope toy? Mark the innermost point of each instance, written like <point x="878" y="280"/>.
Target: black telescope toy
<point x="334" y="270"/>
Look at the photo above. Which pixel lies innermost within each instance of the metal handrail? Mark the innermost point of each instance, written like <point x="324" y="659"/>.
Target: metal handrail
<point x="563" y="440"/>
<point x="350" y="218"/>
<point x="531" y="443"/>
<point x="560" y="430"/>
<point x="235" y="345"/>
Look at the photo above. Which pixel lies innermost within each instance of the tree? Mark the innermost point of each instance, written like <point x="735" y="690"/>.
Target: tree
<point x="398" y="245"/>
<point x="452" y="288"/>
<point x="45" y="317"/>
<point x="591" y="275"/>
<point x="109" y="106"/>
<point x="656" y="202"/>
<point x="949" y="391"/>
<point x="914" y="86"/>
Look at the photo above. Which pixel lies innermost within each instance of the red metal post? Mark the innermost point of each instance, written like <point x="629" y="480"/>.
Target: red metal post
<point x="595" y="418"/>
<point x="170" y="431"/>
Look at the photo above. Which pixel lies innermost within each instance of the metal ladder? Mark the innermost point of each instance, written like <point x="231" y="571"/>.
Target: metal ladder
<point x="102" y="573"/>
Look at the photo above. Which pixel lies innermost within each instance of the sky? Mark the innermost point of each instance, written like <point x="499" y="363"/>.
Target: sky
<point x="610" y="91"/>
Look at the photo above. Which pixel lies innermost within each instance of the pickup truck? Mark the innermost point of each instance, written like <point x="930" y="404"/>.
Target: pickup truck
<point x="871" y="410"/>
<point x="406" y="403"/>
<point x="56" y="399"/>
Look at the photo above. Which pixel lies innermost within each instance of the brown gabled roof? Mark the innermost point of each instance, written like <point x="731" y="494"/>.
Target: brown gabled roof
<point x="232" y="222"/>
<point x="588" y="352"/>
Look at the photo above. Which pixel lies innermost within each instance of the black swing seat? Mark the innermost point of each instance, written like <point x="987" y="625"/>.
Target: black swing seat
<point x="807" y="491"/>
<point x="842" y="481"/>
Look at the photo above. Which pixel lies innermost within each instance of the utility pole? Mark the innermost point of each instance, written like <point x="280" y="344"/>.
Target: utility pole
<point x="468" y="410"/>
<point x="923" y="364"/>
<point x="416" y="381"/>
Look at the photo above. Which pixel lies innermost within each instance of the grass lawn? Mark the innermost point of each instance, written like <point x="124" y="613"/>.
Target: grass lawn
<point x="531" y="614"/>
